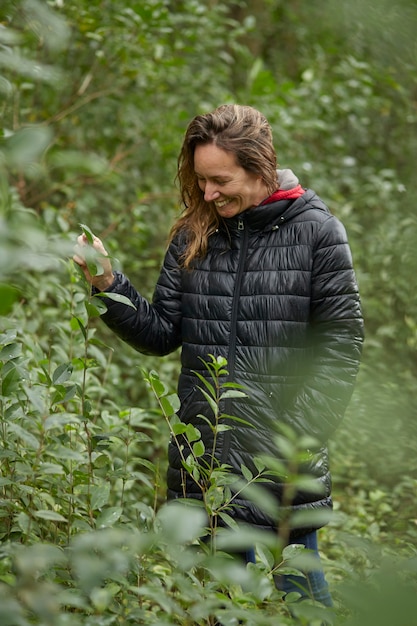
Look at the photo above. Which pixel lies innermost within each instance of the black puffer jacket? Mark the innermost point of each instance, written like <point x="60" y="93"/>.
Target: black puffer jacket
<point x="277" y="296"/>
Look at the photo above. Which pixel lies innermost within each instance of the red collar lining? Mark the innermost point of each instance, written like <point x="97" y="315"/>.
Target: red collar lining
<point x="284" y="194"/>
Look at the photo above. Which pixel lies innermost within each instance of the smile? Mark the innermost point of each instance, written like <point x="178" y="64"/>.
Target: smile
<point x="221" y="203"/>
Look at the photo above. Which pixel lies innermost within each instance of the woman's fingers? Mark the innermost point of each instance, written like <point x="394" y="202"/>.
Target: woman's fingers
<point x="88" y="255"/>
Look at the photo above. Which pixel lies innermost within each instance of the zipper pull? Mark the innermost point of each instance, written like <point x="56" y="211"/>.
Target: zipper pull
<point x="241" y="224"/>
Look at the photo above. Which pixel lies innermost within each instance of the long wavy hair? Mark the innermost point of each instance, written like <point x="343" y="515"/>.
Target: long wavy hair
<point x="241" y="130"/>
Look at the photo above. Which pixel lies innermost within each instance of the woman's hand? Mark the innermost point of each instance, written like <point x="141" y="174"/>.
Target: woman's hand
<point x="94" y="256"/>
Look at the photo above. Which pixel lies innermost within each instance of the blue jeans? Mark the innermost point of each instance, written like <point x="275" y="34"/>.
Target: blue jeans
<point x="313" y="584"/>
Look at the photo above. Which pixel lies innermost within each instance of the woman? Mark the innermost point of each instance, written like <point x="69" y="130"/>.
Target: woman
<point x="258" y="271"/>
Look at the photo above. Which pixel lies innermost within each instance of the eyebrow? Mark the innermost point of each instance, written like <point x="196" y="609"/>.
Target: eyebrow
<point x="218" y="176"/>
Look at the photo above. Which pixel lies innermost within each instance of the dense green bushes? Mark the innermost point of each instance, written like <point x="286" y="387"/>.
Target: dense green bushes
<point x="95" y="97"/>
<point x="84" y="537"/>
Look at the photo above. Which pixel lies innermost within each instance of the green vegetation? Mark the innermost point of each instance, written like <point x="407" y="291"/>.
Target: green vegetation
<point x="94" y="99"/>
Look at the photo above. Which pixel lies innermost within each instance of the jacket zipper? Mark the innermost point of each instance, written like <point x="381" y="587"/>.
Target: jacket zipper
<point x="233" y="329"/>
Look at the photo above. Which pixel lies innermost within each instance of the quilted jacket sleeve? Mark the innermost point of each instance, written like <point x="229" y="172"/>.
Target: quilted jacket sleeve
<point x="336" y="337"/>
<point x="151" y="327"/>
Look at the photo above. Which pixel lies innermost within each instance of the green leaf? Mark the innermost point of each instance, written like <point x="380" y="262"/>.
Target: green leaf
<point x="169" y="404"/>
<point x="198" y="449"/>
<point x="259" y="496"/>
<point x="222" y="428"/>
<point x="62" y="373"/>
<point x="189" y="463"/>
<point x="59" y="420"/>
<point x="8" y="336"/>
<point x="259" y="464"/>
<point x="95" y="268"/>
<point x="221" y="361"/>
<point x="246" y="473"/>
<point x="207" y="384"/>
<point x="213" y="404"/>
<point x="179" y="428"/>
<point x="36" y="396"/>
<point x="88" y="233"/>
<point x="292" y="550"/>
<point x="64" y="452"/>
<point x="10" y="379"/>
<point x="192" y="433"/>
<point x="181" y="522"/>
<point x="231" y="385"/>
<point x="27" y="145"/>
<point x="49" y="515"/>
<point x="24" y="434"/>
<point x="8" y="296"/>
<point x="233" y="418"/>
<point x="109" y="517"/>
<point x="92" y="258"/>
<point x="266" y="556"/>
<point x="228" y="521"/>
<point x="313" y="518"/>
<point x="50" y="468"/>
<point x="117" y="297"/>
<point x="24" y="522"/>
<point x="157" y="385"/>
<point x="307" y="483"/>
<point x="99" y="496"/>
<point x="102" y="460"/>
<point x="233" y="393"/>
<point x="286" y="448"/>
<point x="187" y="467"/>
<point x="5" y="481"/>
<point x="81" y="326"/>
<point x="215" y="497"/>
<point x="95" y="308"/>
<point x="10" y="352"/>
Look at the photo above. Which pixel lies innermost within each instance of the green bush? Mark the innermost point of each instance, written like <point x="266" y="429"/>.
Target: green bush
<point x="95" y="97"/>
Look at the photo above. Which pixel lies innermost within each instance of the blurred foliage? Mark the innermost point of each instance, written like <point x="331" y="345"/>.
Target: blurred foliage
<point x="94" y="99"/>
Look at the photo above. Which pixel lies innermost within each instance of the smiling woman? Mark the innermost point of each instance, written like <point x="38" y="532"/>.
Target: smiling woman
<point x="258" y="272"/>
<point x="244" y="135"/>
<point x="231" y="188"/>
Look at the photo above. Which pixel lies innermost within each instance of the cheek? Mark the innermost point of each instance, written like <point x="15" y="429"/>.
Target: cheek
<point x="231" y="191"/>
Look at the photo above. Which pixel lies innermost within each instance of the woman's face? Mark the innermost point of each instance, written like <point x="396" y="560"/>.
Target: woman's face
<point x="231" y="188"/>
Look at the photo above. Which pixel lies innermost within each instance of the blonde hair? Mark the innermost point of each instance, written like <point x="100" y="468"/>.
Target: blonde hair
<point x="241" y="130"/>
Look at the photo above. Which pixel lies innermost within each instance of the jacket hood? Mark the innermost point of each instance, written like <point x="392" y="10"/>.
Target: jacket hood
<point x="307" y="201"/>
<point x="273" y="215"/>
<point x="287" y="179"/>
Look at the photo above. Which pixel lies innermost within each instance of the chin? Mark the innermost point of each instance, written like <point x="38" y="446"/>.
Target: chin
<point x="228" y="214"/>
<point x="229" y="211"/>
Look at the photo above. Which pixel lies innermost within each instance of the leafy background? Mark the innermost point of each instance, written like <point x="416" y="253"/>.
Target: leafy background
<point x="94" y="100"/>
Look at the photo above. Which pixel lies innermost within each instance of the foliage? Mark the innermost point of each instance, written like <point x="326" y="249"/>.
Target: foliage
<point x="83" y="540"/>
<point x="94" y="99"/>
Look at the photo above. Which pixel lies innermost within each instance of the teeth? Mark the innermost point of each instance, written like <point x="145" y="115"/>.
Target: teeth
<point x="222" y="203"/>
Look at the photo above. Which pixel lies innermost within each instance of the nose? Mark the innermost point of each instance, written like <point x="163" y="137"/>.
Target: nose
<point x="210" y="192"/>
